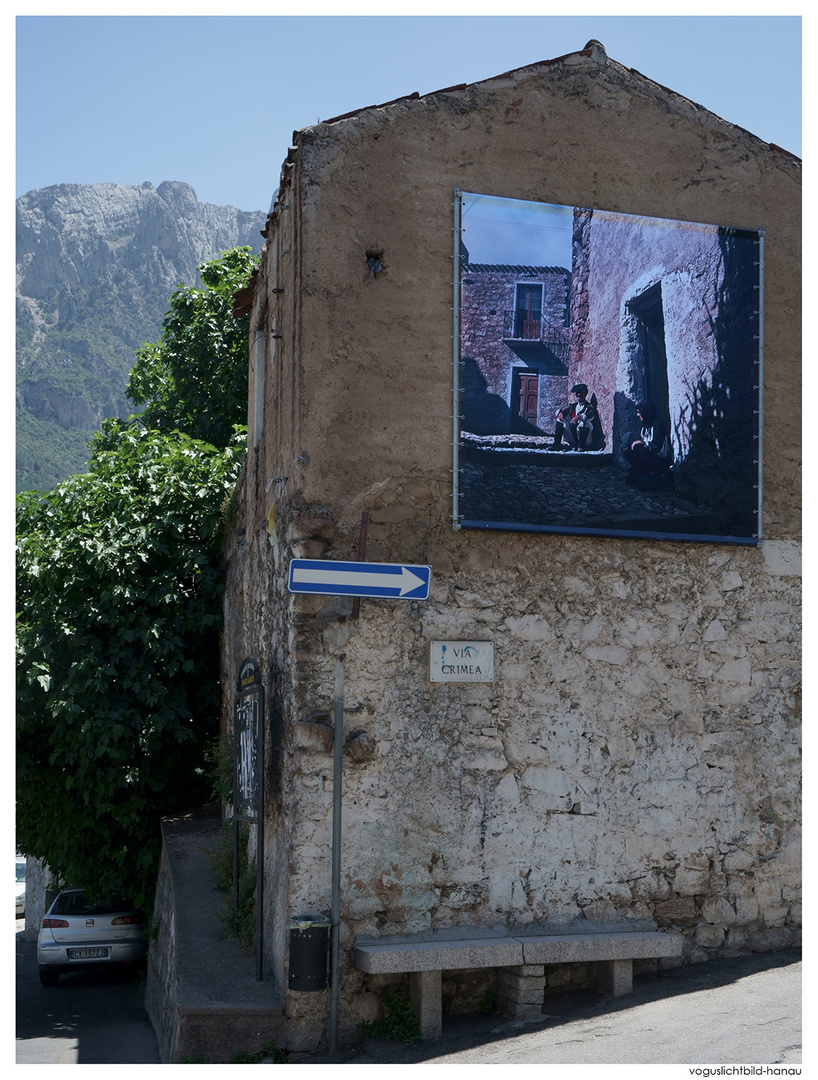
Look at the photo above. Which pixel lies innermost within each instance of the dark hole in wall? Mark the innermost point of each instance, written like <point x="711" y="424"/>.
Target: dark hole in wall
<point x="374" y="262"/>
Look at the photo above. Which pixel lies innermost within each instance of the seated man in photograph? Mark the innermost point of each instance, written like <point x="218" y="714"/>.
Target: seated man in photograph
<point x="578" y="423"/>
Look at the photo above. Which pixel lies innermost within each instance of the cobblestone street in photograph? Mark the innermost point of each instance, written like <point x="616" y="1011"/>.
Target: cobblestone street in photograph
<point x="570" y="490"/>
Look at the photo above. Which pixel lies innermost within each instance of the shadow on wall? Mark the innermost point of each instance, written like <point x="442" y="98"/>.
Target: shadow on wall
<point x="715" y="425"/>
<point x="719" y="421"/>
<point x="483" y="413"/>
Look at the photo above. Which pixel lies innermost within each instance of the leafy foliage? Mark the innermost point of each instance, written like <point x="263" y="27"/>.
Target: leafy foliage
<point x="399" y="1022"/>
<point x="220" y="858"/>
<point x="201" y="360"/>
<point x="119" y="613"/>
<point x="219" y="756"/>
<point x="268" y="1051"/>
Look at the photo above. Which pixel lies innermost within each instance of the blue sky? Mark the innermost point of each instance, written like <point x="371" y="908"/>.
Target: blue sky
<point x="213" y="101"/>
<point x="497" y="230"/>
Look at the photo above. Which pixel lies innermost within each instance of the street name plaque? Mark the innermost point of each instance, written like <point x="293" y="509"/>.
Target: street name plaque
<point x="461" y="661"/>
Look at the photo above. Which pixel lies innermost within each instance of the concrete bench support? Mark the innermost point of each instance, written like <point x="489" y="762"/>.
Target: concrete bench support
<point x="425" y="993"/>
<point x="615" y="977"/>
<point x="522" y="962"/>
<point x="521" y="990"/>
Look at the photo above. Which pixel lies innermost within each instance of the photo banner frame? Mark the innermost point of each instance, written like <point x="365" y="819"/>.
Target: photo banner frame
<point x="607" y="373"/>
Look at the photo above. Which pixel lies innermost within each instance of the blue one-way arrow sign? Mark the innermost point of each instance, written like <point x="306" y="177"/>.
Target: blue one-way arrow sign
<point x="394" y="581"/>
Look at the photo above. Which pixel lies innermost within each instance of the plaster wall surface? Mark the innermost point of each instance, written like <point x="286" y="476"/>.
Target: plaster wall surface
<point x="636" y="759"/>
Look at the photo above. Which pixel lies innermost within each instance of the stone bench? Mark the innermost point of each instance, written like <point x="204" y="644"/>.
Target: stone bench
<point x="523" y="960"/>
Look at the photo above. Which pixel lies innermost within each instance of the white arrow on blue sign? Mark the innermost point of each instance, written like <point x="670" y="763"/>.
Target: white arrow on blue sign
<point x="326" y="577"/>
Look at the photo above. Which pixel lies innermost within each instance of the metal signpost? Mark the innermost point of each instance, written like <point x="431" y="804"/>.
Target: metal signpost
<point x="248" y="785"/>
<point x="390" y="581"/>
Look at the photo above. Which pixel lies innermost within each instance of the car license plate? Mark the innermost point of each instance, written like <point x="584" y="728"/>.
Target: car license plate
<point x="87" y="954"/>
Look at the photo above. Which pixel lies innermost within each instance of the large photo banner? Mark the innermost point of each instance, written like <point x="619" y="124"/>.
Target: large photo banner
<point x="609" y="376"/>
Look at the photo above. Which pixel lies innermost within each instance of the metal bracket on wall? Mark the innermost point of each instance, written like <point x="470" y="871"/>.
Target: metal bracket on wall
<point x="456" y="235"/>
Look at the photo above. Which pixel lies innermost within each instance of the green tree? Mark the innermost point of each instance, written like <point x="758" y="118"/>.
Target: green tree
<point x="119" y="587"/>
<point x="195" y="378"/>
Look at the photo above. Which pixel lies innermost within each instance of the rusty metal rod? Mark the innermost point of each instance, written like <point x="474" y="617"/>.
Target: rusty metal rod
<point x="335" y="912"/>
<point x="356" y="603"/>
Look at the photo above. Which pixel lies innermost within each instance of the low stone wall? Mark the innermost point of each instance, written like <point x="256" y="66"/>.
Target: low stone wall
<point x="162" y="995"/>
<point x="203" y="999"/>
<point x="40" y="894"/>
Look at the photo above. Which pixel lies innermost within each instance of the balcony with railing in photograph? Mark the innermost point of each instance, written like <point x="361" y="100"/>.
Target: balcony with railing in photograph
<point x="532" y="337"/>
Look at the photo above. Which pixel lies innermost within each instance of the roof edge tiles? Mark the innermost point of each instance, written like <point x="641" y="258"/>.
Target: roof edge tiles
<point x="457" y="87"/>
<point x="503" y="268"/>
<point x="593" y="50"/>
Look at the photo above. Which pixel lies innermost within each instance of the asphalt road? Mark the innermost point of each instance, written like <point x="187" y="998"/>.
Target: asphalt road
<point x="745" y="1010"/>
<point x="85" y="1019"/>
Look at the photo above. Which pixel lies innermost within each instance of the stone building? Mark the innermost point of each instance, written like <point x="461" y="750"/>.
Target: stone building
<point x="635" y="761"/>
<point x="514" y="347"/>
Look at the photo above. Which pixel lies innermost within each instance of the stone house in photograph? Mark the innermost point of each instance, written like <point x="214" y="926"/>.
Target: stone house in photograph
<point x="514" y="347"/>
<point x="633" y="766"/>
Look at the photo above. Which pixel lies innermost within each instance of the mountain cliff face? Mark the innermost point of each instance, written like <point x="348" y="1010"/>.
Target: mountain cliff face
<point x="96" y="264"/>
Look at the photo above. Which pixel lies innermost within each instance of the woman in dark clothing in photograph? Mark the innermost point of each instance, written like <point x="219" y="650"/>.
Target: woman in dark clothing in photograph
<point x="649" y="453"/>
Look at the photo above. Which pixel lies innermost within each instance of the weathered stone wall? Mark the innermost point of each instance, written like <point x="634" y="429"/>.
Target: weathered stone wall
<point x="41" y="891"/>
<point x="162" y="990"/>
<point x="636" y="757"/>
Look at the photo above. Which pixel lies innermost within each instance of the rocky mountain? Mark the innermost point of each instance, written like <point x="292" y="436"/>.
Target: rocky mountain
<point x="96" y="265"/>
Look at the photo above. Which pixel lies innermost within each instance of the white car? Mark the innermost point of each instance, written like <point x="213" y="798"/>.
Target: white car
<point x="80" y="933"/>
<point x="21" y="885"/>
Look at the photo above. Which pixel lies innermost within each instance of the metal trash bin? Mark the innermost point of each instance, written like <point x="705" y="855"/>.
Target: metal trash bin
<point x="309" y="952"/>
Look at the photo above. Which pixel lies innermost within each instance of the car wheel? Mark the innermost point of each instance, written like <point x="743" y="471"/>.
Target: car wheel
<point x="49" y="976"/>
